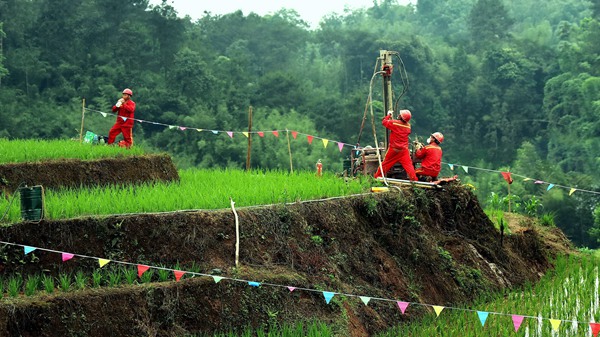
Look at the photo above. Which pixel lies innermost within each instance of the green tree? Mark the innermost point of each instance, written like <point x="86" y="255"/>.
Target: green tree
<point x="489" y="23"/>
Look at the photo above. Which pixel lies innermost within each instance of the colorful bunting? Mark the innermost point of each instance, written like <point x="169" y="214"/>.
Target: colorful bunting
<point x="325" y="142"/>
<point x="254" y="284"/>
<point x="555" y="324"/>
<point x="178" y="274"/>
<point x="466" y="169"/>
<point x="104" y="114"/>
<point x="340" y="146"/>
<point x="527" y="179"/>
<point x="438" y="309"/>
<point x="276" y="134"/>
<point x="182" y="128"/>
<point x="310" y="139"/>
<point x="217" y="279"/>
<point x="328" y="296"/>
<point x="199" y="130"/>
<point x="291" y="288"/>
<point x="482" y="316"/>
<point x="595" y="328"/>
<point x="245" y="134"/>
<point x="549" y="187"/>
<point x="172" y="127"/>
<point x="294" y="134"/>
<point x="572" y="191"/>
<point x="517" y="320"/>
<point x="67" y="256"/>
<point x="215" y="132"/>
<point x="507" y="177"/>
<point x="28" y="249"/>
<point x="365" y="299"/>
<point x="402" y="306"/>
<point x="142" y="269"/>
<point x="124" y="119"/>
<point x="230" y="134"/>
<point x="261" y="134"/>
<point x="103" y="262"/>
<point x="451" y="166"/>
<point x="538" y="182"/>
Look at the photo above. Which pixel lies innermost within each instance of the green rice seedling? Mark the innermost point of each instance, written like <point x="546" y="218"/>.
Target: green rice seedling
<point x="163" y="274"/>
<point x="194" y="268"/>
<point x="96" y="278"/>
<point x="32" y="285"/>
<point x="80" y="280"/>
<point x="14" y="285"/>
<point x="114" y="277"/>
<point x="147" y="276"/>
<point x="48" y="283"/>
<point x="130" y="275"/>
<point x="64" y="281"/>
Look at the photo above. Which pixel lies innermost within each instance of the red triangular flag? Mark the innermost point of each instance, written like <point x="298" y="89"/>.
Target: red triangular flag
<point x="178" y="274"/>
<point x="595" y="328"/>
<point x="276" y="133"/>
<point x="260" y="133"/>
<point x="294" y="134"/>
<point x="310" y="139"/>
<point x="142" y="269"/>
<point x="507" y="177"/>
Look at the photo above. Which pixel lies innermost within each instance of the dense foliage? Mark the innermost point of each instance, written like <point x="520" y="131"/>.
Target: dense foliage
<point x="510" y="83"/>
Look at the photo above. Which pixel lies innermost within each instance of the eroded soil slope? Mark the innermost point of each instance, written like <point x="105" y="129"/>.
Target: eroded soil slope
<point x="423" y="246"/>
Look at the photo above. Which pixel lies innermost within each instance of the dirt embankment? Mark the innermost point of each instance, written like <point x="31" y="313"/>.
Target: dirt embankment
<point x="77" y="173"/>
<point x="421" y="246"/>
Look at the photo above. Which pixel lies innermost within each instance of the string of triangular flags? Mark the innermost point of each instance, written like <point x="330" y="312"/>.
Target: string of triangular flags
<point x="309" y="138"/>
<point x="508" y="177"/>
<point x="327" y="295"/>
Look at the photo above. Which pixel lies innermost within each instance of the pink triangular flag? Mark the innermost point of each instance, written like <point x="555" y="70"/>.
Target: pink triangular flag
<point x="260" y="133"/>
<point x="340" y="146"/>
<point x="142" y="269"/>
<point x="517" y="320"/>
<point x="178" y="274"/>
<point x="310" y="139"/>
<point x="182" y="128"/>
<point x="276" y="133"/>
<point x="538" y="182"/>
<point x="230" y="134"/>
<point x="67" y="256"/>
<point x="402" y="306"/>
<point x="291" y="288"/>
<point x="294" y="134"/>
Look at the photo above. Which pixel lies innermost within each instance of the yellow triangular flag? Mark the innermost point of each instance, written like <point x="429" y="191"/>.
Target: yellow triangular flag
<point x="325" y="141"/>
<point x="245" y="134"/>
<point x="199" y="130"/>
<point x="527" y="179"/>
<point x="555" y="324"/>
<point x="572" y="191"/>
<point x="438" y="309"/>
<point x="103" y="262"/>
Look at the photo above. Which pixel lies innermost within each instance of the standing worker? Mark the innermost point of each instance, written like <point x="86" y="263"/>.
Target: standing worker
<point x="125" y="108"/>
<point x="398" y="148"/>
<point x="431" y="158"/>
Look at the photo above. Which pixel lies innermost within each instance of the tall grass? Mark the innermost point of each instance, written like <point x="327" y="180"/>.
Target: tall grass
<point x="569" y="292"/>
<point x="31" y="150"/>
<point x="197" y="189"/>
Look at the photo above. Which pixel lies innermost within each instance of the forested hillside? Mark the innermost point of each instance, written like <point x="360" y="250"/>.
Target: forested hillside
<point x="511" y="84"/>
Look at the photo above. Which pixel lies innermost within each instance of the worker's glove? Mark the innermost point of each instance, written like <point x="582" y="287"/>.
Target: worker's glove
<point x="390" y="113"/>
<point x="119" y="102"/>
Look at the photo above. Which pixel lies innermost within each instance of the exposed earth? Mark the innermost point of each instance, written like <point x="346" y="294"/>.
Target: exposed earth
<point x="414" y="245"/>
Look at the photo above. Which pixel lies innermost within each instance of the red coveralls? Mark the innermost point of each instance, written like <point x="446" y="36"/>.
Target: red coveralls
<point x="125" y="110"/>
<point x="398" y="148"/>
<point x="432" y="160"/>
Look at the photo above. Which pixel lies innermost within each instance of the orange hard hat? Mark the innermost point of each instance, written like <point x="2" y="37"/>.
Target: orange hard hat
<point x="128" y="92"/>
<point x="439" y="138"/>
<point x="405" y="115"/>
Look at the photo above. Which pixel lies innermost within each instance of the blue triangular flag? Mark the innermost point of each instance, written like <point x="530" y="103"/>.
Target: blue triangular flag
<point x="254" y="284"/>
<point x="451" y="166"/>
<point x="328" y="296"/>
<point x="549" y="187"/>
<point x="124" y="119"/>
<point x="482" y="316"/>
<point x="28" y="249"/>
<point x="215" y="131"/>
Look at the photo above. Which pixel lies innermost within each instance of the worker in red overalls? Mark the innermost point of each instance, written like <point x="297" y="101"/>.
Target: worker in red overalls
<point x="398" y="147"/>
<point x="431" y="158"/>
<point x="125" y="108"/>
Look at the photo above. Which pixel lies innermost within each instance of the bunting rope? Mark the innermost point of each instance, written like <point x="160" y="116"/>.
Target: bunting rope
<point x="402" y="305"/>
<point x="341" y="145"/>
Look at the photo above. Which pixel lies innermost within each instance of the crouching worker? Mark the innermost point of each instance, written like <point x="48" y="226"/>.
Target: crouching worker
<point x="398" y="148"/>
<point x="124" y="108"/>
<point x="431" y="158"/>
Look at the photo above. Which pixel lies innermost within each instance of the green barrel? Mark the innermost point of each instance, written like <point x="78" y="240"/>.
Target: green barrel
<point x="32" y="203"/>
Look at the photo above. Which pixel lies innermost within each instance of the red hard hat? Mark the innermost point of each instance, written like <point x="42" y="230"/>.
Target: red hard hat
<point x="405" y="115"/>
<point x="438" y="136"/>
<point x="128" y="92"/>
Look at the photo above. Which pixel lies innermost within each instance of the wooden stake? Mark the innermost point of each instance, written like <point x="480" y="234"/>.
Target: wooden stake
<point x="237" y="233"/>
<point x="289" y="150"/>
<point x="82" y="118"/>
<point x="249" y="138"/>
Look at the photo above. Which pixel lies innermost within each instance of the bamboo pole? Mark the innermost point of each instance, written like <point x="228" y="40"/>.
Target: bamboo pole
<point x="289" y="150"/>
<point x="249" y="138"/>
<point x="82" y="118"/>
<point x="237" y="233"/>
